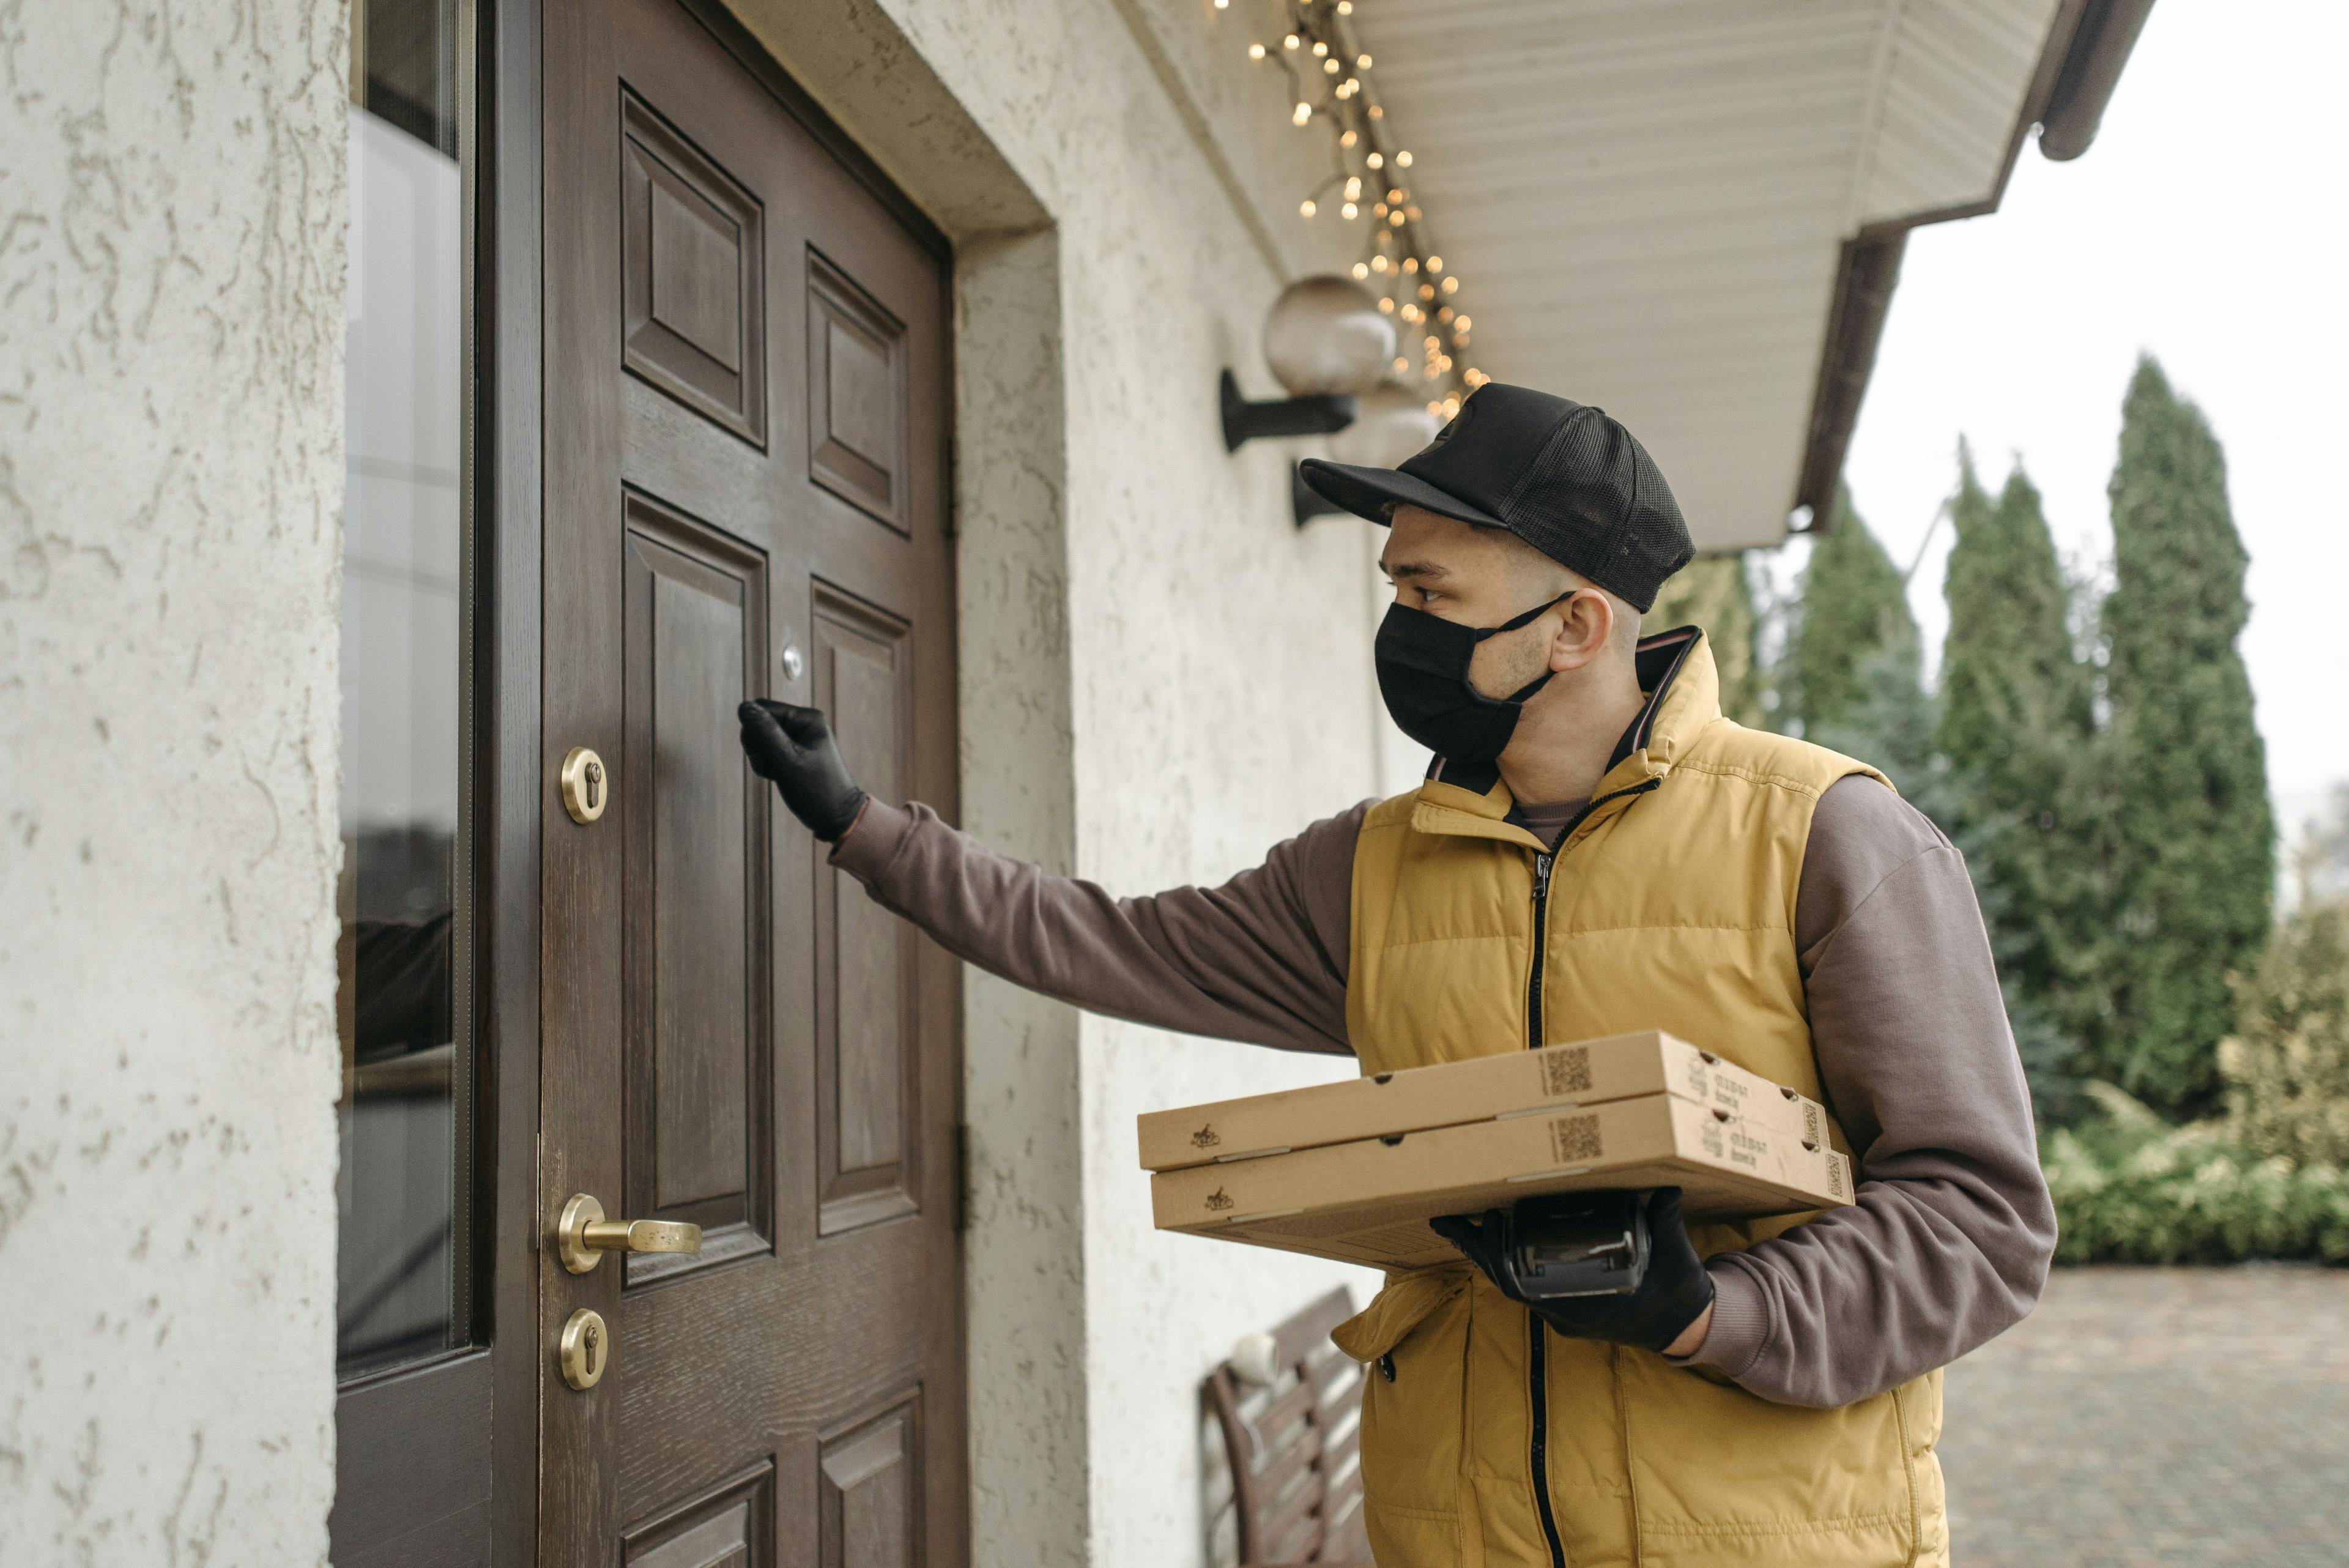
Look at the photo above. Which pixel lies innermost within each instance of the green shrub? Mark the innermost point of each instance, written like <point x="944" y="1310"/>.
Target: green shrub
<point x="2287" y="1063"/>
<point x="2131" y="1188"/>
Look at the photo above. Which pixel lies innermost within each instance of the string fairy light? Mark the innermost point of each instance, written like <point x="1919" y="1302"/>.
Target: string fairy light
<point x="1412" y="281"/>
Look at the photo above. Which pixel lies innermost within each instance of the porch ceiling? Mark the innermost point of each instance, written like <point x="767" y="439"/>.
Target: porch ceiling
<point x="1674" y="208"/>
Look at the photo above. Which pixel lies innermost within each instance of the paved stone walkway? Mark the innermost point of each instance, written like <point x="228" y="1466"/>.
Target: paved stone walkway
<point x="2159" y="1418"/>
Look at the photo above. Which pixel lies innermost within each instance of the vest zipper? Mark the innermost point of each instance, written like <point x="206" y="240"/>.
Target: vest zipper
<point x="1537" y="1344"/>
<point x="1541" y="920"/>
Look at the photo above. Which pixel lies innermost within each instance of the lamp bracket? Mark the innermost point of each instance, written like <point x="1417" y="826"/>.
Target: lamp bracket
<point x="1305" y="504"/>
<point x="1320" y="414"/>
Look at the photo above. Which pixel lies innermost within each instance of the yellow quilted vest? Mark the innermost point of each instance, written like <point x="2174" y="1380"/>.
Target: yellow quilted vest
<point x="1670" y="905"/>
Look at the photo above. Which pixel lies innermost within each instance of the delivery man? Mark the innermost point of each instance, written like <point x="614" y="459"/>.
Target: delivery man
<point x="1595" y="850"/>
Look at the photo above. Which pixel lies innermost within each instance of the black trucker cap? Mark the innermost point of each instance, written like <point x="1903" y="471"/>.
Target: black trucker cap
<point x="1560" y="474"/>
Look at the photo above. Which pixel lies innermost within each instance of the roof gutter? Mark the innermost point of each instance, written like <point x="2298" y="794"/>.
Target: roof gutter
<point x="2087" y="44"/>
<point x="2092" y="68"/>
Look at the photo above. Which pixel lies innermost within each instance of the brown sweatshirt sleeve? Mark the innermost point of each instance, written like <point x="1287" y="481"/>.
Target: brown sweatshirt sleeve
<point x="1950" y="1237"/>
<point x="1261" y="958"/>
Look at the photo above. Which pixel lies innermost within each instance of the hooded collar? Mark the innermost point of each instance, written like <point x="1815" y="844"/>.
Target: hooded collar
<point x="1675" y="669"/>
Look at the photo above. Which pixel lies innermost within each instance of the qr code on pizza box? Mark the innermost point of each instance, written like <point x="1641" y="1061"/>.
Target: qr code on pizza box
<point x="1565" y="1072"/>
<point x="1573" y="1138"/>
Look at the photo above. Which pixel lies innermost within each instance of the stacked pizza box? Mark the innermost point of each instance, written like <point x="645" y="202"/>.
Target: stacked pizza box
<point x="1354" y="1170"/>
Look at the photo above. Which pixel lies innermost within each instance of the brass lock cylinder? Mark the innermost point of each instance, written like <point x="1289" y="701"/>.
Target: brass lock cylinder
<point x="586" y="785"/>
<point x="585" y="1350"/>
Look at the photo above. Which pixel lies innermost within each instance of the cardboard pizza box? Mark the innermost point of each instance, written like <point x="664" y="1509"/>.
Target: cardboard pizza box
<point x="1514" y="1083"/>
<point x="1368" y="1200"/>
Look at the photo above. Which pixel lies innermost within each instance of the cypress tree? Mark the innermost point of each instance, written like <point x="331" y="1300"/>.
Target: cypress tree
<point x="2017" y="714"/>
<point x="1713" y="592"/>
<point x="2193" y="829"/>
<point x="1855" y="605"/>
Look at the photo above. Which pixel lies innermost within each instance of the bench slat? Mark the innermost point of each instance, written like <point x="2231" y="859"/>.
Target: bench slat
<point x="1290" y="1409"/>
<point x="1272" y="1481"/>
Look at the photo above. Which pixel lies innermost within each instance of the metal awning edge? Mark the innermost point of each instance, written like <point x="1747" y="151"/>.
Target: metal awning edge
<point x="2087" y="44"/>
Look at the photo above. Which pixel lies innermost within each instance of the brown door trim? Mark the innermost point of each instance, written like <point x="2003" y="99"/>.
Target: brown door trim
<point x="509" y="488"/>
<point x="580" y="867"/>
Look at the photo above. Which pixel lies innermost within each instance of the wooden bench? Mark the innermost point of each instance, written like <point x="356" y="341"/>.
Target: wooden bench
<point x="1288" y="1429"/>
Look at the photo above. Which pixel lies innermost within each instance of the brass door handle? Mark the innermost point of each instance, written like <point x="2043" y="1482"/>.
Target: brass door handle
<point x="583" y="1235"/>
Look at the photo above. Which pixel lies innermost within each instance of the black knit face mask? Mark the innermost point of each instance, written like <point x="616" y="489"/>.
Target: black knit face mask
<point x="1422" y="663"/>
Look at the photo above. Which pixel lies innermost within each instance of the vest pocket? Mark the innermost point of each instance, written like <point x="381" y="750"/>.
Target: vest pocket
<point x="1412" y="1421"/>
<point x="1718" y="1474"/>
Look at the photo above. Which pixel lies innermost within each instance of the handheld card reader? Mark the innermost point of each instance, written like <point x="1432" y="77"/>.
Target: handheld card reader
<point x="1579" y="1244"/>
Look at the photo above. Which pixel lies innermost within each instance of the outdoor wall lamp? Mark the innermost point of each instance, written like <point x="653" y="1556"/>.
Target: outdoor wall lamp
<point x="1390" y="423"/>
<point x="1327" y="343"/>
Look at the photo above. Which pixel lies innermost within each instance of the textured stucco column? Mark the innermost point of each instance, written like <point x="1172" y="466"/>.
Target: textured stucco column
<point x="1027" y="1336"/>
<point x="171" y="214"/>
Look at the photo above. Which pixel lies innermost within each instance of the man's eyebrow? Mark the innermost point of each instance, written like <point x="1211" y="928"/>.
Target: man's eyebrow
<point x="1398" y="570"/>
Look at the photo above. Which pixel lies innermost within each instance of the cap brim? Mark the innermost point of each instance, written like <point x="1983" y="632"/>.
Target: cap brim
<point x="1375" y="493"/>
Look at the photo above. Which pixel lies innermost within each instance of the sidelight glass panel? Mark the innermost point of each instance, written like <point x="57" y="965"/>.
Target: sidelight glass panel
<point x="404" y="1006"/>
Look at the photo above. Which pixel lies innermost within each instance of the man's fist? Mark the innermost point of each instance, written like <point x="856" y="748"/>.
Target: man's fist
<point x="793" y="748"/>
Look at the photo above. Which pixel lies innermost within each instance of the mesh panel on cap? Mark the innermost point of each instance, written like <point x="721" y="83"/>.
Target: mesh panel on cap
<point x="1595" y="501"/>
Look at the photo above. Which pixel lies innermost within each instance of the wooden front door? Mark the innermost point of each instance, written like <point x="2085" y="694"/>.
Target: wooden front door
<point x="745" y="468"/>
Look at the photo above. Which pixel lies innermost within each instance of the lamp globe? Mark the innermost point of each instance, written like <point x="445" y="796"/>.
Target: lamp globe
<point x="1324" y="337"/>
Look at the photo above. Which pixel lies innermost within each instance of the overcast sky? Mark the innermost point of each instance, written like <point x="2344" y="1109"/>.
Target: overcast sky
<point x="2206" y="226"/>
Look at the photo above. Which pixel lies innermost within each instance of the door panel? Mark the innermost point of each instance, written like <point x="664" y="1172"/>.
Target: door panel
<point x="704" y="1051"/>
<point x="699" y="937"/>
<point x="856" y="396"/>
<point x="693" y="247"/>
<point x="868" y="1089"/>
<point x="732" y="1527"/>
<point x="750" y="503"/>
<point x="872" y="1492"/>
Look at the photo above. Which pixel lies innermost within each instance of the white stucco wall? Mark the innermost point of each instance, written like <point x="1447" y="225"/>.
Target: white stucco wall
<point x="1161" y="676"/>
<point x="172" y="200"/>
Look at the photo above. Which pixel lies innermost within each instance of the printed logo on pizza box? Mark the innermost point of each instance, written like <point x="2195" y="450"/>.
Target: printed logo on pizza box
<point x="1206" y="1136"/>
<point x="1721" y="1089"/>
<point x="1218" y="1201"/>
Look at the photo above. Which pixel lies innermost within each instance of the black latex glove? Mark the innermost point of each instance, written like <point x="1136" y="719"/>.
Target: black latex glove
<point x="793" y="748"/>
<point x="1675" y="1291"/>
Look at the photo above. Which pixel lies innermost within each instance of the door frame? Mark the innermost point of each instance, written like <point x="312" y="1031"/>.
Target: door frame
<point x="513" y="786"/>
<point x="509" y="390"/>
<point x="374" y="1510"/>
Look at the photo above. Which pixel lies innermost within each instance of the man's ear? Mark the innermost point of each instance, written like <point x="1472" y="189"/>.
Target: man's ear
<point x="1585" y="628"/>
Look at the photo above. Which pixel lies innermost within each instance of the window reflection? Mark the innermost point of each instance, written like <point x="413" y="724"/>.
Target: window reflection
<point x="405" y="1126"/>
